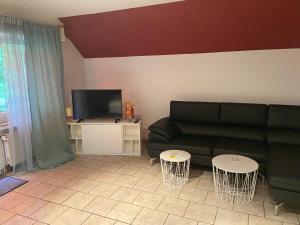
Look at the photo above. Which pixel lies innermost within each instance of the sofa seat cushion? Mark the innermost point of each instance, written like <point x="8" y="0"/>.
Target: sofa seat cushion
<point x="195" y="145"/>
<point x="251" y="149"/>
<point x="284" y="166"/>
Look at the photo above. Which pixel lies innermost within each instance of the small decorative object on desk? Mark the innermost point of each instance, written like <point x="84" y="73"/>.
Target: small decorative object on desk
<point x="69" y="114"/>
<point x="175" y="166"/>
<point x="129" y="110"/>
<point x="234" y="178"/>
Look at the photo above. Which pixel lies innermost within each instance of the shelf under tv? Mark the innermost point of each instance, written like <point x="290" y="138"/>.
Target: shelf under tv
<point x="105" y="137"/>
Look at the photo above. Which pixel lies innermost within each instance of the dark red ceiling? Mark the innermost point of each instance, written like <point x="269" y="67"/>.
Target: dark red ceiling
<point x="191" y="26"/>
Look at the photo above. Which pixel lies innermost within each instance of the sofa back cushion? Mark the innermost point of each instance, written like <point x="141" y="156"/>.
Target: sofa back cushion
<point x="243" y="114"/>
<point x="283" y="136"/>
<point x="197" y="112"/>
<point x="284" y="116"/>
<point x="224" y="131"/>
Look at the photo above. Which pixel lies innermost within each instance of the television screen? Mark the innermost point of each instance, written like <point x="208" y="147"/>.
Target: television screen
<point x="89" y="104"/>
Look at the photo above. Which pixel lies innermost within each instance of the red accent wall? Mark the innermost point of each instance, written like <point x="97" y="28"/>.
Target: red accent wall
<point x="191" y="26"/>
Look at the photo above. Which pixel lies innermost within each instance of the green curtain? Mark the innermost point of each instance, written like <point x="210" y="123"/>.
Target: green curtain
<point x="44" y="65"/>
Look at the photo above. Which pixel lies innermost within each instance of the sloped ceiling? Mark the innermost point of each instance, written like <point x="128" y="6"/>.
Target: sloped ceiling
<point x="191" y="26"/>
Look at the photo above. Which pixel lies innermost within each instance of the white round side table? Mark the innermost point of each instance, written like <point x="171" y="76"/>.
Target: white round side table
<point x="234" y="178"/>
<point x="175" y="166"/>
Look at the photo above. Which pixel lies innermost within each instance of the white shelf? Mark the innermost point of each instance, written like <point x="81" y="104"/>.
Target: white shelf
<point x="76" y="145"/>
<point x="131" y="147"/>
<point x="131" y="138"/>
<point x="102" y="137"/>
<point x="75" y="138"/>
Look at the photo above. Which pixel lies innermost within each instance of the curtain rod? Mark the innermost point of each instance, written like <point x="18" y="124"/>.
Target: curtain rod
<point x="32" y="22"/>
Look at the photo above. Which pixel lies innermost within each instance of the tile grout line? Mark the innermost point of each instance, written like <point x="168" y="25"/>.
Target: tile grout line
<point x="216" y="215"/>
<point x="264" y="209"/>
<point x="10" y="217"/>
<point x="157" y="208"/>
<point x="166" y="219"/>
<point x="248" y="219"/>
<point x="185" y="211"/>
<point x="68" y="188"/>
<point x="205" y="197"/>
<point x="34" y="210"/>
<point x="86" y="219"/>
<point x="269" y="219"/>
<point x="69" y="207"/>
<point x="36" y="179"/>
<point x="42" y="207"/>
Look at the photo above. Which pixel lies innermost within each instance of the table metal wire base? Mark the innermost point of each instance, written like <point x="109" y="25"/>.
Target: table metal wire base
<point x="175" y="173"/>
<point x="238" y="188"/>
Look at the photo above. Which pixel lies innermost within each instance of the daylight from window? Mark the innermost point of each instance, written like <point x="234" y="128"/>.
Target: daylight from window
<point x="2" y="93"/>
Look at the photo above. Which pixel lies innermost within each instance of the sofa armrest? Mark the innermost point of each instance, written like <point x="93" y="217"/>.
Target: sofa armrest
<point x="165" y="128"/>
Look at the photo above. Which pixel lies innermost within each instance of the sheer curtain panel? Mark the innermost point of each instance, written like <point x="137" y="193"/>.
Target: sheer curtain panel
<point x="33" y="83"/>
<point x="16" y="92"/>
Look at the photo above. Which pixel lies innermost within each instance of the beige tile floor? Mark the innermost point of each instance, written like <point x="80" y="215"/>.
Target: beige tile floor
<point x="107" y="190"/>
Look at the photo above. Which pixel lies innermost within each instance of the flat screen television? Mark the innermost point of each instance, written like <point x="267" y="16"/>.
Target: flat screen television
<point x="91" y="104"/>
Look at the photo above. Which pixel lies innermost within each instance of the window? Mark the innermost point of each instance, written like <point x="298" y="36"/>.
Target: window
<point x="3" y="107"/>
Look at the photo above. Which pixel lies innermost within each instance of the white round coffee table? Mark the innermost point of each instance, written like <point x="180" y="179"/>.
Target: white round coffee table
<point x="175" y="166"/>
<point x="234" y="178"/>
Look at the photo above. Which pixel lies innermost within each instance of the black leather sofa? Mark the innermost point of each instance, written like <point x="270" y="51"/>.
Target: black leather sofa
<point x="283" y="162"/>
<point x="268" y="134"/>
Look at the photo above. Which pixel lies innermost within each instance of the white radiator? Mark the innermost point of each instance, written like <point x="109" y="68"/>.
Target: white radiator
<point x="4" y="153"/>
<point x="2" y="161"/>
<point x="5" y="158"/>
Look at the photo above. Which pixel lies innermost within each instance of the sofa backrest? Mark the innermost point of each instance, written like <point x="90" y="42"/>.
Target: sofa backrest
<point x="238" y="120"/>
<point x="243" y="114"/>
<point x="283" y="124"/>
<point x="284" y="116"/>
<point x="195" y="112"/>
<point x="229" y="120"/>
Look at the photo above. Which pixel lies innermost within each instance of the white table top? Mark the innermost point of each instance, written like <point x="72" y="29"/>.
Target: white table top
<point x="235" y="163"/>
<point x="175" y="156"/>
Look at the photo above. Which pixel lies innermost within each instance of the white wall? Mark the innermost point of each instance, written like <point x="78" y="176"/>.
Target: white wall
<point x="267" y="76"/>
<point x="74" y="70"/>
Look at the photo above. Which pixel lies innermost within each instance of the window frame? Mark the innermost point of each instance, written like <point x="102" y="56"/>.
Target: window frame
<point x="3" y="118"/>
